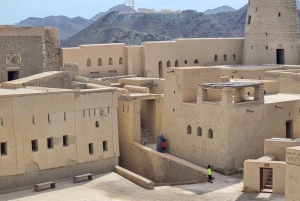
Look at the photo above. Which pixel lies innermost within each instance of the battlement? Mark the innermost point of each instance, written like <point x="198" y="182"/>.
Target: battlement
<point x="11" y="31"/>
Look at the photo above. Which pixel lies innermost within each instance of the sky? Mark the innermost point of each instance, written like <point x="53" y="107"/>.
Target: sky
<point x="13" y="11"/>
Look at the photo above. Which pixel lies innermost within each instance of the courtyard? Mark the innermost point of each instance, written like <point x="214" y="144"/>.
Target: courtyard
<point x="111" y="186"/>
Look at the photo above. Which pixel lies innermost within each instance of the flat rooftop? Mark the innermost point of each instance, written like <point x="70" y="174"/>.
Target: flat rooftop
<point x="230" y="84"/>
<point x="111" y="186"/>
<point x="254" y="67"/>
<point x="281" y="97"/>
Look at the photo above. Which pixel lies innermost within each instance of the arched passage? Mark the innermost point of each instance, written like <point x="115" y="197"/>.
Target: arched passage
<point x="176" y="63"/>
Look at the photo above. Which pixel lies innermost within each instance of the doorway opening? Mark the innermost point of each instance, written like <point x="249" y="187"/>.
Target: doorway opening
<point x="12" y="75"/>
<point x="280" y="56"/>
<point x="266" y="180"/>
<point x="289" y="129"/>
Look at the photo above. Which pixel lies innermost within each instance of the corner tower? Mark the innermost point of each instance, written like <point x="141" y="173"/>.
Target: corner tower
<point x="271" y="33"/>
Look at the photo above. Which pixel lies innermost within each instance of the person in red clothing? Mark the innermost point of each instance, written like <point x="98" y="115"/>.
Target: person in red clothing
<point x="164" y="146"/>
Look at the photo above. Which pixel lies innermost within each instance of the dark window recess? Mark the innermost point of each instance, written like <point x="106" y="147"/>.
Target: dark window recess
<point x="91" y="149"/>
<point x="3" y="148"/>
<point x="65" y="140"/>
<point x="50" y="143"/>
<point x="105" y="146"/>
<point x="34" y="145"/>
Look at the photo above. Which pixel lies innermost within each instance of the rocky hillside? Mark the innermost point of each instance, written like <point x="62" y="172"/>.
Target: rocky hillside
<point x="188" y="24"/>
<point x="118" y="8"/>
<point x="67" y="26"/>
<point x="222" y="9"/>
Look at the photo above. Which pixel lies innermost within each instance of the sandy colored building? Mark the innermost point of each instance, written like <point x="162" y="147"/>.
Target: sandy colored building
<point x="26" y="51"/>
<point x="54" y="133"/>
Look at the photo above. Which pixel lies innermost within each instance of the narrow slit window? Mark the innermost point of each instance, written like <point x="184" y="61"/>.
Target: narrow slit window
<point x="65" y="141"/>
<point x="108" y="110"/>
<point x="33" y="121"/>
<point x="210" y="134"/>
<point x="279" y="14"/>
<point x="128" y="109"/>
<point x="249" y="19"/>
<point x="49" y="120"/>
<point x="65" y="116"/>
<point x="97" y="124"/>
<point x="91" y="148"/>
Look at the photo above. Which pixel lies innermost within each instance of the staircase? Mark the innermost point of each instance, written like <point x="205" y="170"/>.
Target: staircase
<point x="269" y="184"/>
<point x="146" y="137"/>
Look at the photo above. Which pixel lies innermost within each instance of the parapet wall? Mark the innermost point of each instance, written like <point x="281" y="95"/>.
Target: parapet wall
<point x="292" y="192"/>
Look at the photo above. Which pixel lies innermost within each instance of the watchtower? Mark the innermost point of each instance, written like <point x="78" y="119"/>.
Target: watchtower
<point x="129" y="6"/>
<point x="271" y="33"/>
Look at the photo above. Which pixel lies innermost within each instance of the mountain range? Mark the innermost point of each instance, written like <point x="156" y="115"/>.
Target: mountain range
<point x="133" y="28"/>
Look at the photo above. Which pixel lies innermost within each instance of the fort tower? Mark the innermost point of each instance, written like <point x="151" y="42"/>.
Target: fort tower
<point x="271" y="33"/>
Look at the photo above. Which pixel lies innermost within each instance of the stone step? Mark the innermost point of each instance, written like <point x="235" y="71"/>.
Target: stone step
<point x="270" y="183"/>
<point x="268" y="187"/>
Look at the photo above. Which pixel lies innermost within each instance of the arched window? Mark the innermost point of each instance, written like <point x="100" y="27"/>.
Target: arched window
<point x="199" y="131"/>
<point x="89" y="62"/>
<point x="189" y="130"/>
<point x="99" y="62"/>
<point x="185" y="62"/>
<point x="225" y="57"/>
<point x="210" y="134"/>
<point x="160" y="70"/>
<point x="196" y="61"/>
<point x="97" y="124"/>
<point x="176" y="63"/>
<point x="111" y="61"/>
<point x="233" y="57"/>
<point x="216" y="57"/>
<point x="121" y="61"/>
<point x="168" y="64"/>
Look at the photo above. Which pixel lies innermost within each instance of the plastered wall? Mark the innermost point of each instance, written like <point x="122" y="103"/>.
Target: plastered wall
<point x="292" y="192"/>
<point x="28" y="50"/>
<point x="40" y="115"/>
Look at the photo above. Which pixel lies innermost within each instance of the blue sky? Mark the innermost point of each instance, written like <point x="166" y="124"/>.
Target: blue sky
<point x="13" y="11"/>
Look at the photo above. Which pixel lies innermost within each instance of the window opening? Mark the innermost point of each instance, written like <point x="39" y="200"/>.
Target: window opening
<point x="225" y="57"/>
<point x="121" y="61"/>
<point x="199" y="131"/>
<point x="216" y="57"/>
<point x="168" y="64"/>
<point x="99" y="62"/>
<point x="196" y="61"/>
<point x="50" y="143"/>
<point x="97" y="124"/>
<point x="3" y="148"/>
<point x="91" y="148"/>
<point x="189" y="130"/>
<point x="210" y="134"/>
<point x="111" y="61"/>
<point x="34" y="145"/>
<point x="105" y="148"/>
<point x="89" y="62"/>
<point x="65" y="141"/>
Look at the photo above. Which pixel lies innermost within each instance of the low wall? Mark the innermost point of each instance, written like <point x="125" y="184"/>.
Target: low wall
<point x="141" y="181"/>
<point x="35" y="177"/>
<point x="277" y="147"/>
<point x="161" y="168"/>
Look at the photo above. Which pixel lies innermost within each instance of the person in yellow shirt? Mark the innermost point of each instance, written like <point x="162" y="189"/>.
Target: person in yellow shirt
<point x="209" y="173"/>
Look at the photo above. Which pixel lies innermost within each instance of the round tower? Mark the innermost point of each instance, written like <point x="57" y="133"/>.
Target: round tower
<point x="271" y="33"/>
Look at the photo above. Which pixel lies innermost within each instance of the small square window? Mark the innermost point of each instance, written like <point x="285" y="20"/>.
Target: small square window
<point x="279" y="14"/>
<point x="105" y="148"/>
<point x="91" y="149"/>
<point x="65" y="140"/>
<point x="3" y="148"/>
<point x="34" y="145"/>
<point x="50" y="143"/>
